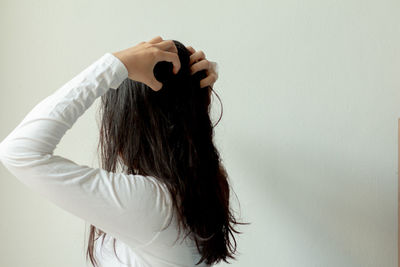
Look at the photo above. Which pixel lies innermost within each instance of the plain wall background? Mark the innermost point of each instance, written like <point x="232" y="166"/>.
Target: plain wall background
<point x="311" y="99"/>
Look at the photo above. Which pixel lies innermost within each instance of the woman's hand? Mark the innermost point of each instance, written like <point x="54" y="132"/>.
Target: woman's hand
<point x="199" y="62"/>
<point x="141" y="59"/>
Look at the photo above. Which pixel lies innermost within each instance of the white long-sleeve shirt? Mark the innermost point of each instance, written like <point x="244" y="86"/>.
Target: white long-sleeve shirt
<point x="131" y="208"/>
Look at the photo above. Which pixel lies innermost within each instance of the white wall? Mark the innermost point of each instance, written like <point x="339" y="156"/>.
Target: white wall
<point x="311" y="98"/>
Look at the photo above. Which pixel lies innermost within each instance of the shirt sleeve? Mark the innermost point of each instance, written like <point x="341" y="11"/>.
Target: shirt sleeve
<point x="131" y="207"/>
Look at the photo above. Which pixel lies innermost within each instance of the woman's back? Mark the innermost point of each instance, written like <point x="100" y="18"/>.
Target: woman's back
<point x="161" y="251"/>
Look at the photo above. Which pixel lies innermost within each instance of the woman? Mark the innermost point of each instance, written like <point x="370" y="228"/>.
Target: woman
<point x="155" y="100"/>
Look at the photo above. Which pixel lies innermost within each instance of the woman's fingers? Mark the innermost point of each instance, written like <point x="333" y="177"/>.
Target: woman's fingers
<point x="191" y="49"/>
<point x="209" y="80"/>
<point x="211" y="68"/>
<point x="156" y="39"/>
<point x="167" y="45"/>
<point x="169" y="52"/>
<point x="197" y="56"/>
<point x="171" y="57"/>
<point x="202" y="65"/>
<point x="199" y="62"/>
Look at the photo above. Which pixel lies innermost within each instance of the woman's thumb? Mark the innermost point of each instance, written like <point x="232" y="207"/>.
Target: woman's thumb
<point x="155" y="85"/>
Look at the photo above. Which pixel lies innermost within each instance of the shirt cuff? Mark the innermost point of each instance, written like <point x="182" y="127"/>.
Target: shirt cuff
<point x="119" y="68"/>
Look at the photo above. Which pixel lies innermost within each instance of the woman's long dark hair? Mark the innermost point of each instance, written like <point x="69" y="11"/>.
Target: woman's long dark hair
<point x="168" y="134"/>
